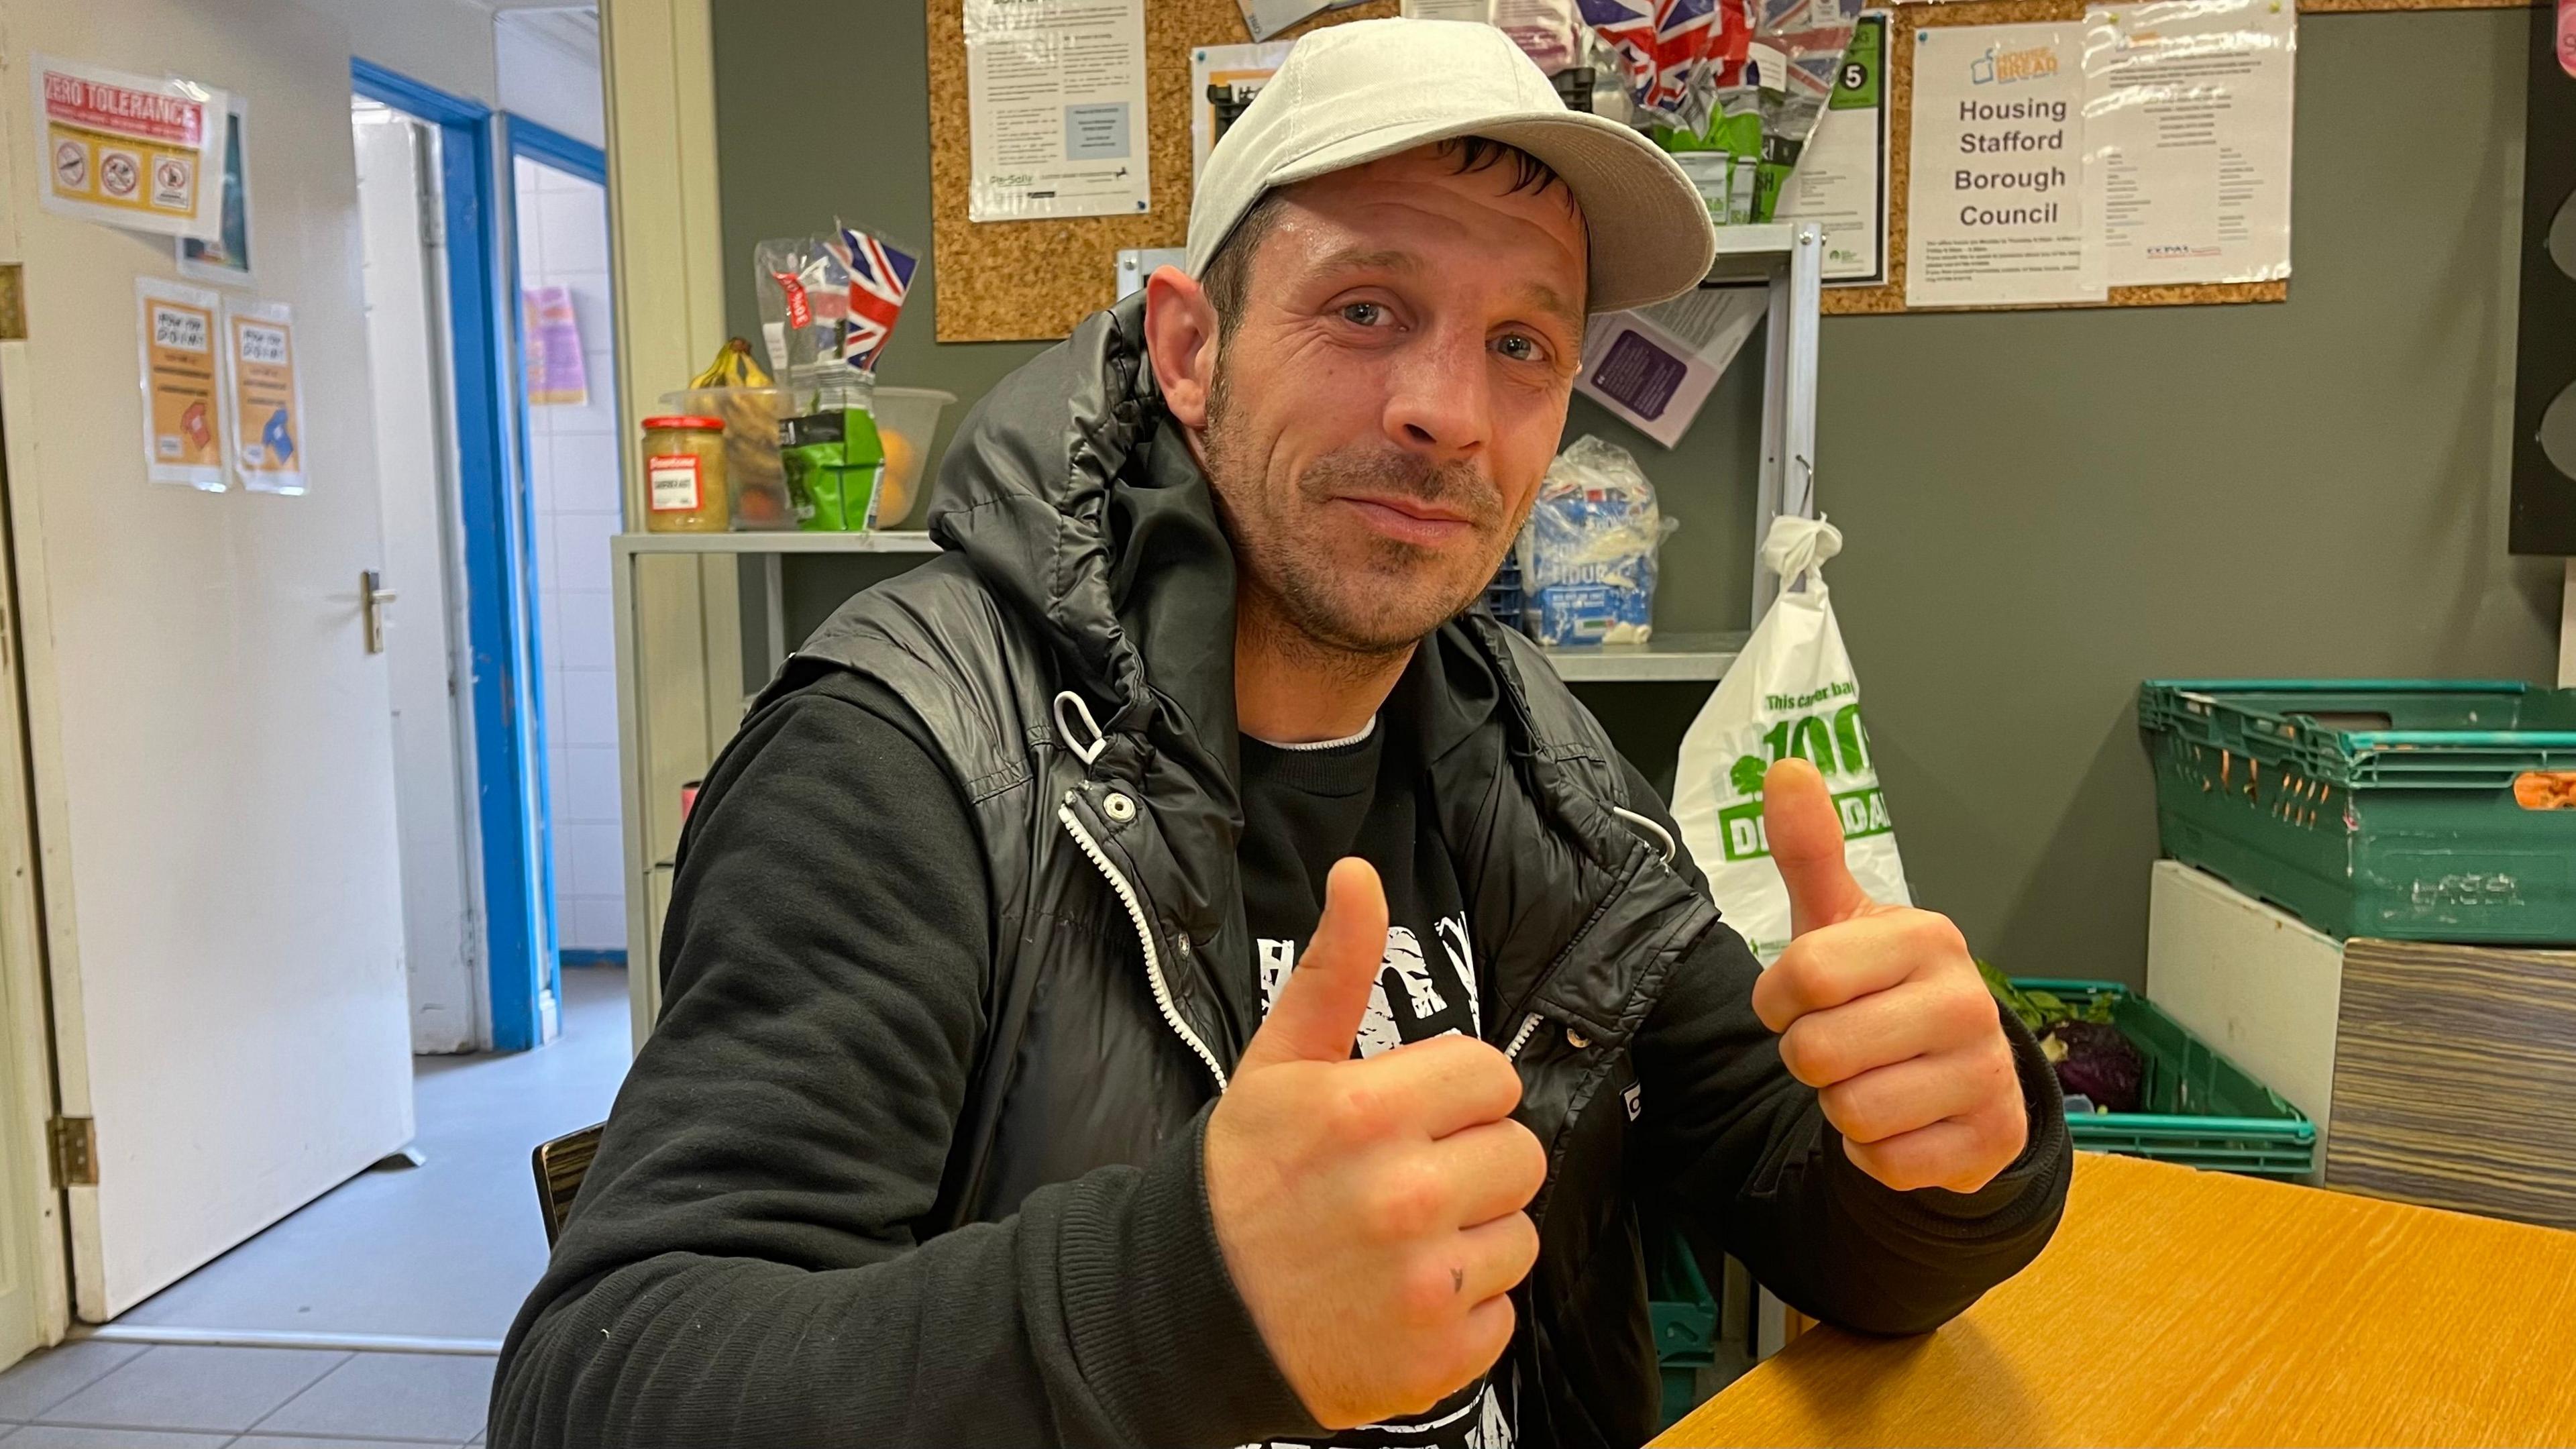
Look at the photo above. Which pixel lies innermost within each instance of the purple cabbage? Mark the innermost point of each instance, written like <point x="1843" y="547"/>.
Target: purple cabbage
<point x="2098" y="1063"/>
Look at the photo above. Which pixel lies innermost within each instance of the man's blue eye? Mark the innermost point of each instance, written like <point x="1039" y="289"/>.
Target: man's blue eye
<point x="1518" y="348"/>
<point x="1363" y="313"/>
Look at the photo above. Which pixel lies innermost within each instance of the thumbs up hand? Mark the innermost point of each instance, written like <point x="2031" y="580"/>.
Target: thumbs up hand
<point x="1370" y="1211"/>
<point x="1880" y="1009"/>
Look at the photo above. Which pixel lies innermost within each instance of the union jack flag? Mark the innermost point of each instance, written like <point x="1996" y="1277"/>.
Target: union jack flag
<point x="879" y="276"/>
<point x="1664" y="45"/>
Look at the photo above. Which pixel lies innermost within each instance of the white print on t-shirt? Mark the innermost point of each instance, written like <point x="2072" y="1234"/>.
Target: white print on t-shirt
<point x="1414" y="999"/>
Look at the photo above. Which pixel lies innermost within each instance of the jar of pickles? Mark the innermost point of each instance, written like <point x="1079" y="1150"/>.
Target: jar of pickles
<point x="684" y="476"/>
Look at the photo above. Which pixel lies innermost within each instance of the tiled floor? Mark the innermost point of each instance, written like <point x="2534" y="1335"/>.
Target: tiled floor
<point x="94" y="1395"/>
<point x="442" y="1251"/>
<point x="446" y="1250"/>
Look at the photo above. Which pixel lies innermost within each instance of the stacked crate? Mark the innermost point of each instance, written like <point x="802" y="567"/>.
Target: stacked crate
<point x="2426" y="829"/>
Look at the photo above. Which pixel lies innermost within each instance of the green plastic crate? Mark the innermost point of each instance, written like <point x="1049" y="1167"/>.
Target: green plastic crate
<point x="1685" y="1318"/>
<point x="2203" y="1110"/>
<point x="2382" y="807"/>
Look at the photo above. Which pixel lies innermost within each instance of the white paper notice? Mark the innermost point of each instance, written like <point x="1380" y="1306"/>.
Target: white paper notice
<point x="1841" y="177"/>
<point x="1996" y="203"/>
<point x="1654" y="366"/>
<point x="2187" y="117"/>
<point x="1266" y="18"/>
<point x="1055" y="101"/>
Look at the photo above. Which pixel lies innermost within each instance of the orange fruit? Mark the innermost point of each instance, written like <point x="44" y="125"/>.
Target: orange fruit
<point x="901" y="463"/>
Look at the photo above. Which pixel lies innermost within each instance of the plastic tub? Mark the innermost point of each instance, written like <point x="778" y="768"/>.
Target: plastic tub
<point x="907" y="420"/>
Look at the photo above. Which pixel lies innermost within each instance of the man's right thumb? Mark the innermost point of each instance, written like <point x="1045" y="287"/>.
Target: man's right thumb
<point x="1317" y="1014"/>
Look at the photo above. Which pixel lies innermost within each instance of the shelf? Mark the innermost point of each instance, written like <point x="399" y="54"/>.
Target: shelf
<point x="1750" y="253"/>
<point x="1667" y="657"/>
<point x="895" y="540"/>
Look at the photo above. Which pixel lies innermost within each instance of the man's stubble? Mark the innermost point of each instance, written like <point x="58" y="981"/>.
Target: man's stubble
<point x="1311" y="603"/>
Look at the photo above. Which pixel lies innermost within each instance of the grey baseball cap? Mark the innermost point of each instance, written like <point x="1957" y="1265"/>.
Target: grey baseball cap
<point x="1350" y="94"/>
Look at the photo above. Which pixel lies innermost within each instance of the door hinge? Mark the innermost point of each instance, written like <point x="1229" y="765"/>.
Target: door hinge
<point x="71" y="1145"/>
<point x="13" y="304"/>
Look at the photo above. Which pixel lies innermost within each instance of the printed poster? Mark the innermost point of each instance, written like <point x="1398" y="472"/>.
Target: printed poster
<point x="266" y="411"/>
<point x="2187" y="120"/>
<point x="1055" y="108"/>
<point x="1242" y="69"/>
<point x="183" y="426"/>
<point x="128" y="150"/>
<point x="1997" y="212"/>
<point x="557" y="375"/>
<point x="1841" y="177"/>
<point x="225" y="258"/>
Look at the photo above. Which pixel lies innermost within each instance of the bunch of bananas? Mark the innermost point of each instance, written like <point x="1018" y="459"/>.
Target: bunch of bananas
<point x="751" y="433"/>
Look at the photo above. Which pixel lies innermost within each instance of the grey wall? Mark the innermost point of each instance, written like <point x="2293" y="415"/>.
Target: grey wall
<point x="2042" y="508"/>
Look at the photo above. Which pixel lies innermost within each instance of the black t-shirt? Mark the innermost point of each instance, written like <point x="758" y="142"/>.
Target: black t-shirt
<point x="1305" y="807"/>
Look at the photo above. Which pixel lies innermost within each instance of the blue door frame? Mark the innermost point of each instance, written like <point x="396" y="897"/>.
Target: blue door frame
<point x="509" y="764"/>
<point x="528" y="140"/>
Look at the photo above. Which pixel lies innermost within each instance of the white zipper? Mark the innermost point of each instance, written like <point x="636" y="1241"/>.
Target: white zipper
<point x="1520" y="1038"/>
<point x="1145" y="936"/>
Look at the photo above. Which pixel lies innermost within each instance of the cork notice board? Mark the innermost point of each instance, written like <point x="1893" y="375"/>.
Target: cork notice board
<point x="1017" y="280"/>
<point x="1022" y="280"/>
<point x="1900" y="137"/>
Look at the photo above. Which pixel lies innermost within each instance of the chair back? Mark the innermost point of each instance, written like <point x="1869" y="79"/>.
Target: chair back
<point x="560" y="1166"/>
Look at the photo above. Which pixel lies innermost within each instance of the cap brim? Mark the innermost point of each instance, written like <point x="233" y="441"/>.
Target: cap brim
<point x="1647" y="227"/>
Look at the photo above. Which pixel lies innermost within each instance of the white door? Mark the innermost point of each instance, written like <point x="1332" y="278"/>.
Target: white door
<point x="210" y="741"/>
<point x="399" y="213"/>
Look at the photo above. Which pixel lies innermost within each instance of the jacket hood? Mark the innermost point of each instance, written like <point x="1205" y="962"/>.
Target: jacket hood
<point x="1075" y="500"/>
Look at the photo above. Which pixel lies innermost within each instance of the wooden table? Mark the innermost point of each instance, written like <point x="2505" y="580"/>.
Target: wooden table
<point x="2182" y="1307"/>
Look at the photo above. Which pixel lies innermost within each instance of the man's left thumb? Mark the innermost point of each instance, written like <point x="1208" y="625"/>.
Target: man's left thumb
<point x="1806" y="839"/>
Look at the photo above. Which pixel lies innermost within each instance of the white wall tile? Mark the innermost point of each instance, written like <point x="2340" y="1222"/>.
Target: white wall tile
<point x="589" y="714"/>
<point x="575" y="226"/>
<point x="588" y="640"/>
<point x="542" y="471"/>
<point x="585" y="473"/>
<point x="558" y="785"/>
<point x="581" y="552"/>
<point x="590" y="783"/>
<point x="601" y="922"/>
<point x="598" y="861"/>
<point x="549" y="623"/>
<point x="596" y="415"/>
<point x="562" y="844"/>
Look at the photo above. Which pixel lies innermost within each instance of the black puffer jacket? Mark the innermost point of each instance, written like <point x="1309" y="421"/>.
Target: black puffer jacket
<point x="1068" y="663"/>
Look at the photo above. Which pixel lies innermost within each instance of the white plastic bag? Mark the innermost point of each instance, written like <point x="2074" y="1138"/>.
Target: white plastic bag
<point x="1792" y="692"/>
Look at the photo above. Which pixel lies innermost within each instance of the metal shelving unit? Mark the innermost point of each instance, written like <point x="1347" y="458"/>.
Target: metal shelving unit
<point x="1789" y="258"/>
<point x="1677" y="657"/>
<point x="893" y="540"/>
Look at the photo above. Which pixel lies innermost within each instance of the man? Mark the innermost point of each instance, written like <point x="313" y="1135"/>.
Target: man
<point x="987" y="1106"/>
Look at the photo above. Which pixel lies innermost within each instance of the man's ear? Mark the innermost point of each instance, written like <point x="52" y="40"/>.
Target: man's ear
<point x="1181" y="338"/>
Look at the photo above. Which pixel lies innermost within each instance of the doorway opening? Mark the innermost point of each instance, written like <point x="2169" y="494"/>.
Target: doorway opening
<point x="459" y="218"/>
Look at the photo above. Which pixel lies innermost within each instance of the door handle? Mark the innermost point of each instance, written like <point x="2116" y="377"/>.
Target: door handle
<point x="372" y="598"/>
